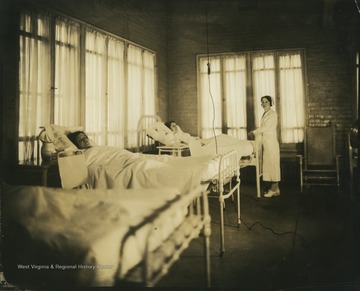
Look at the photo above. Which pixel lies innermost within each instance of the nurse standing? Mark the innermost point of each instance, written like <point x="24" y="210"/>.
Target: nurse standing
<point x="271" y="149"/>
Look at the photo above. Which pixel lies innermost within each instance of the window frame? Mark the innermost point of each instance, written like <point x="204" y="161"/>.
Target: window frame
<point x="250" y="100"/>
<point x="35" y="14"/>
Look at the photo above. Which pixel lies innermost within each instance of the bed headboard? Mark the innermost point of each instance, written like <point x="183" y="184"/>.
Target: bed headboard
<point x="144" y="142"/>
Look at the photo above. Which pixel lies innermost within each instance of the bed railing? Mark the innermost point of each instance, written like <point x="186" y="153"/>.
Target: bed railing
<point x="225" y="185"/>
<point x="157" y="261"/>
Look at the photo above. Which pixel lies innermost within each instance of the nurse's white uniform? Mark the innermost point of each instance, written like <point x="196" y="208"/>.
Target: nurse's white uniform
<point x="271" y="149"/>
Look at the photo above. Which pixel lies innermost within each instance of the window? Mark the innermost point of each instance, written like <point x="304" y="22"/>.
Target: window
<point x="67" y="73"/>
<point x="231" y="85"/>
<point x="102" y="83"/>
<point x="35" y="81"/>
<point x="141" y="85"/>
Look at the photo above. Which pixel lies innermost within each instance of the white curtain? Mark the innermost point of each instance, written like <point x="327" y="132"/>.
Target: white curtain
<point x="116" y="93"/>
<point x="210" y="98"/>
<point x="263" y="78"/>
<point x="291" y="98"/>
<point x="149" y="83"/>
<point x="67" y="74"/>
<point x="223" y="96"/>
<point x="134" y="96"/>
<point x="96" y="101"/>
<point x="34" y="72"/>
<point x="235" y="95"/>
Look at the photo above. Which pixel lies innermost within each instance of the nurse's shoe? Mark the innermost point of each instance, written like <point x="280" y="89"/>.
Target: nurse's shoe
<point x="272" y="193"/>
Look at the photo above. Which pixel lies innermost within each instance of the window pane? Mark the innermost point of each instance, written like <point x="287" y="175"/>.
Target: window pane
<point x="149" y="83"/>
<point x="96" y="103"/>
<point x="34" y="74"/>
<point x="263" y="73"/>
<point x="291" y="98"/>
<point x="210" y="98"/>
<point x="279" y="75"/>
<point x="116" y="93"/>
<point x="119" y="85"/>
<point x="141" y="89"/>
<point x="134" y="93"/>
<point x="67" y="74"/>
<point x="235" y="95"/>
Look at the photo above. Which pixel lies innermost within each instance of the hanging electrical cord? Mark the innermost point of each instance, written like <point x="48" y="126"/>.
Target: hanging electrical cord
<point x="357" y="6"/>
<point x="209" y="73"/>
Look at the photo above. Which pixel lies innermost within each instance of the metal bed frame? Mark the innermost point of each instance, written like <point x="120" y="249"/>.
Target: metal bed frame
<point x="196" y="222"/>
<point x="223" y="186"/>
<point x="147" y="144"/>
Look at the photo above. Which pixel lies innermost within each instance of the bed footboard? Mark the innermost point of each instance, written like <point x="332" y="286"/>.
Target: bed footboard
<point x="255" y="160"/>
<point x="158" y="259"/>
<point x="225" y="185"/>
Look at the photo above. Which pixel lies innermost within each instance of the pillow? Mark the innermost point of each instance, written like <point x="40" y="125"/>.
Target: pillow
<point x="161" y="133"/>
<point x="58" y="135"/>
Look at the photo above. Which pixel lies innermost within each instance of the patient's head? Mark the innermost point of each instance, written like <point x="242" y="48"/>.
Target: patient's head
<point x="80" y="139"/>
<point x="172" y="125"/>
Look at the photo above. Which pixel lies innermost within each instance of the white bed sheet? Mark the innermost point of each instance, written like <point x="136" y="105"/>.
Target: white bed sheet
<point x="222" y="144"/>
<point x="86" y="227"/>
<point x="111" y="167"/>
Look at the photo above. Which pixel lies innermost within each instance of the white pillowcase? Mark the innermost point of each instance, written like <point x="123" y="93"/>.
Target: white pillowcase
<point x="58" y="135"/>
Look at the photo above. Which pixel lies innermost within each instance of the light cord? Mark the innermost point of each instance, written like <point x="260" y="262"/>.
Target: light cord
<point x="357" y="6"/>
<point x="209" y="72"/>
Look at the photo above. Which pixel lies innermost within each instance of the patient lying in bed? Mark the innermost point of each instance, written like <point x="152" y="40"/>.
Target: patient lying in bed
<point x="169" y="133"/>
<point x="113" y="167"/>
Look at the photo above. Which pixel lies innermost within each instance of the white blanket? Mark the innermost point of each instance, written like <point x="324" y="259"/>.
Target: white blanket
<point x="222" y="144"/>
<point x="75" y="235"/>
<point x="111" y="167"/>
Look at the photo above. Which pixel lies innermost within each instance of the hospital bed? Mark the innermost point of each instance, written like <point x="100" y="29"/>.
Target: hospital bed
<point x="80" y="238"/>
<point x="250" y="159"/>
<point x="147" y="144"/>
<point x="117" y="168"/>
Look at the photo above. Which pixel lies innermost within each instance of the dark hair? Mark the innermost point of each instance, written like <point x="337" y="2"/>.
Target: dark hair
<point x="268" y="98"/>
<point x="168" y="123"/>
<point x="72" y="136"/>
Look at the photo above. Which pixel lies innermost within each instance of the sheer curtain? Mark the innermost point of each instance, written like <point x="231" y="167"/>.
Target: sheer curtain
<point x="34" y="72"/>
<point x="210" y="98"/>
<point x="235" y="95"/>
<point x="223" y="96"/>
<point x="116" y="93"/>
<point x="149" y="83"/>
<point x="291" y="98"/>
<point x="134" y="96"/>
<point x="67" y="73"/>
<point x="95" y="95"/>
<point x="119" y="83"/>
<point x="263" y="74"/>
